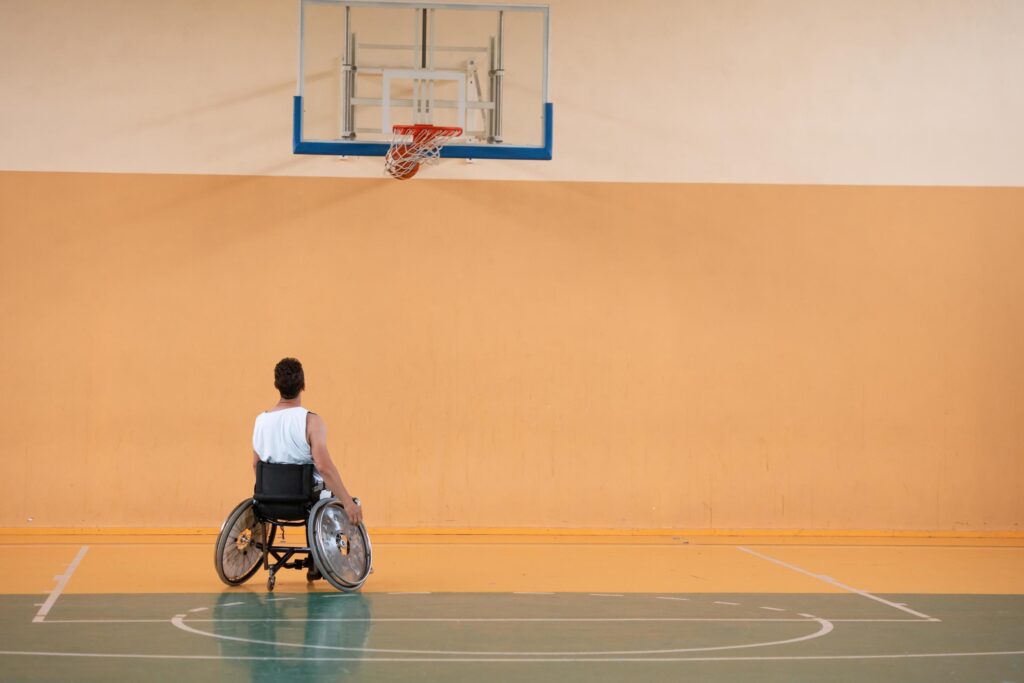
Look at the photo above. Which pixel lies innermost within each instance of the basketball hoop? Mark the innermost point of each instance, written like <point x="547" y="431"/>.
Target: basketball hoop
<point x="405" y="156"/>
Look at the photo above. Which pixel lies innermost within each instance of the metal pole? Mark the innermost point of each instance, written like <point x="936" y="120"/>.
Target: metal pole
<point x="423" y="39"/>
<point x="497" y="75"/>
<point x="348" y="69"/>
<point x="428" y="40"/>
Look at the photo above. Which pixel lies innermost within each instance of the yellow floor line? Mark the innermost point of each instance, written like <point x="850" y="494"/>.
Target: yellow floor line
<point x="529" y="531"/>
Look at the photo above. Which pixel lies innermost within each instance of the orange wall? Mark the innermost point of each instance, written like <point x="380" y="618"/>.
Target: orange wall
<point x="517" y="354"/>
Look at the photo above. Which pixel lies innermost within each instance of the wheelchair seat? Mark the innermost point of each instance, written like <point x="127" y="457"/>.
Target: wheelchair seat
<point x="288" y="496"/>
<point x="284" y="492"/>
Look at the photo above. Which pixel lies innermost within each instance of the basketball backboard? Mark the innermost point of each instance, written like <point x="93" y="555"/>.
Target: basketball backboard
<point x="367" y="66"/>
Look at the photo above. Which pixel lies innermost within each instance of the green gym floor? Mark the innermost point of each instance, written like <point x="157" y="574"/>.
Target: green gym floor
<point x="758" y="610"/>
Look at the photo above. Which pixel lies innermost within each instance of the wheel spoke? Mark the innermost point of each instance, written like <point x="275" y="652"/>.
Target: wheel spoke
<point x="242" y="549"/>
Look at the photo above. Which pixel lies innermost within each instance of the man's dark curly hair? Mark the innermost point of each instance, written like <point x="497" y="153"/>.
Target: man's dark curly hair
<point x="288" y="377"/>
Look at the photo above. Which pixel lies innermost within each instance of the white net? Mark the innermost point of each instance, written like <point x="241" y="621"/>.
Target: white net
<point x="415" y="145"/>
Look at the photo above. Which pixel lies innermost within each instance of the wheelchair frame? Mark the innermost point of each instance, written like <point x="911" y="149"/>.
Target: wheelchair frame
<point x="282" y="553"/>
<point x="289" y="490"/>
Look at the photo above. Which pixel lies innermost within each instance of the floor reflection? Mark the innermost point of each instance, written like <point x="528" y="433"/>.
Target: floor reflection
<point x="300" y="627"/>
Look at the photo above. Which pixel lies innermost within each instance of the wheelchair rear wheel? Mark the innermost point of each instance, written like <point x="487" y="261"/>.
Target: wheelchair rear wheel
<point x="341" y="550"/>
<point x="239" y="550"/>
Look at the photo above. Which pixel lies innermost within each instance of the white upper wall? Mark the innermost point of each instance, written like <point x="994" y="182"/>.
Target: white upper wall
<point x="916" y="92"/>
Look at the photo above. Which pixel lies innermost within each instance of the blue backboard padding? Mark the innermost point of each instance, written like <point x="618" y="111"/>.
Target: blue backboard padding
<point x="378" y="149"/>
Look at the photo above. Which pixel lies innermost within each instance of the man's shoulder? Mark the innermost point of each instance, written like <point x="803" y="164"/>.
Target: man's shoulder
<point x="316" y="430"/>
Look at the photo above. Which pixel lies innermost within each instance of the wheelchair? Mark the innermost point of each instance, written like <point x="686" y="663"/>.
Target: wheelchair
<point x="287" y="496"/>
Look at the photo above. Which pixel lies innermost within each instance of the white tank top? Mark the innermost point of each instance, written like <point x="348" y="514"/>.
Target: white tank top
<point x="280" y="437"/>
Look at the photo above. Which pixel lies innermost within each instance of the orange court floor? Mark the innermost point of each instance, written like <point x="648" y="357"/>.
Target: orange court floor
<point x="125" y="563"/>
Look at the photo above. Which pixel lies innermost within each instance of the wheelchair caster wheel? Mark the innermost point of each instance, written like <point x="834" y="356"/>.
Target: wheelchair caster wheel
<point x="271" y="580"/>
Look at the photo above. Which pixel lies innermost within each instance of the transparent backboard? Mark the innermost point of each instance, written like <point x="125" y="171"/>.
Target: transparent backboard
<point x="367" y="66"/>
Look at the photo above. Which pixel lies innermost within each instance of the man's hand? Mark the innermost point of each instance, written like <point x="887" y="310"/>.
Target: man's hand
<point x="354" y="512"/>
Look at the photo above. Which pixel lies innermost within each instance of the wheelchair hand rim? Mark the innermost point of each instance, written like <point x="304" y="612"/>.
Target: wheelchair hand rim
<point x="341" y="550"/>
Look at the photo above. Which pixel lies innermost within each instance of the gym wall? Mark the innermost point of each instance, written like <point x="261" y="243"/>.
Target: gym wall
<point x="770" y="281"/>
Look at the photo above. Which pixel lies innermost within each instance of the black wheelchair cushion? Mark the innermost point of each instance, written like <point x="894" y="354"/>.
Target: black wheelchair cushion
<point x="283" y="491"/>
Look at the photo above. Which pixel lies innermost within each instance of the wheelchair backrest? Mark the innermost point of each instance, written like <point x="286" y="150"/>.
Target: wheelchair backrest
<point x="283" y="491"/>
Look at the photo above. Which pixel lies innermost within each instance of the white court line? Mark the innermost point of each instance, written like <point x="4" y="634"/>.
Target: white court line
<point x="824" y="628"/>
<point x="377" y="620"/>
<point x="198" y="609"/>
<point x="723" y="602"/>
<point x="62" y="581"/>
<point x="232" y="604"/>
<point x="667" y="597"/>
<point x="539" y="660"/>
<point x="458" y="619"/>
<point x="113" y="621"/>
<point x="773" y="609"/>
<point x="607" y="595"/>
<point x="830" y="580"/>
<point x="278" y="599"/>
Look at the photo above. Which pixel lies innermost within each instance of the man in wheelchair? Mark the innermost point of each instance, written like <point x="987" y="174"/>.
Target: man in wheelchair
<point x="292" y="467"/>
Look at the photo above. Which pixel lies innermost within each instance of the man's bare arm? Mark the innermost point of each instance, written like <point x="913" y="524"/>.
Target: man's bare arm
<point x="317" y="433"/>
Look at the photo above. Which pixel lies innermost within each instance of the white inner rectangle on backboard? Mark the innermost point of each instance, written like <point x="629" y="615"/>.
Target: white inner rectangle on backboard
<point x="423" y="100"/>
